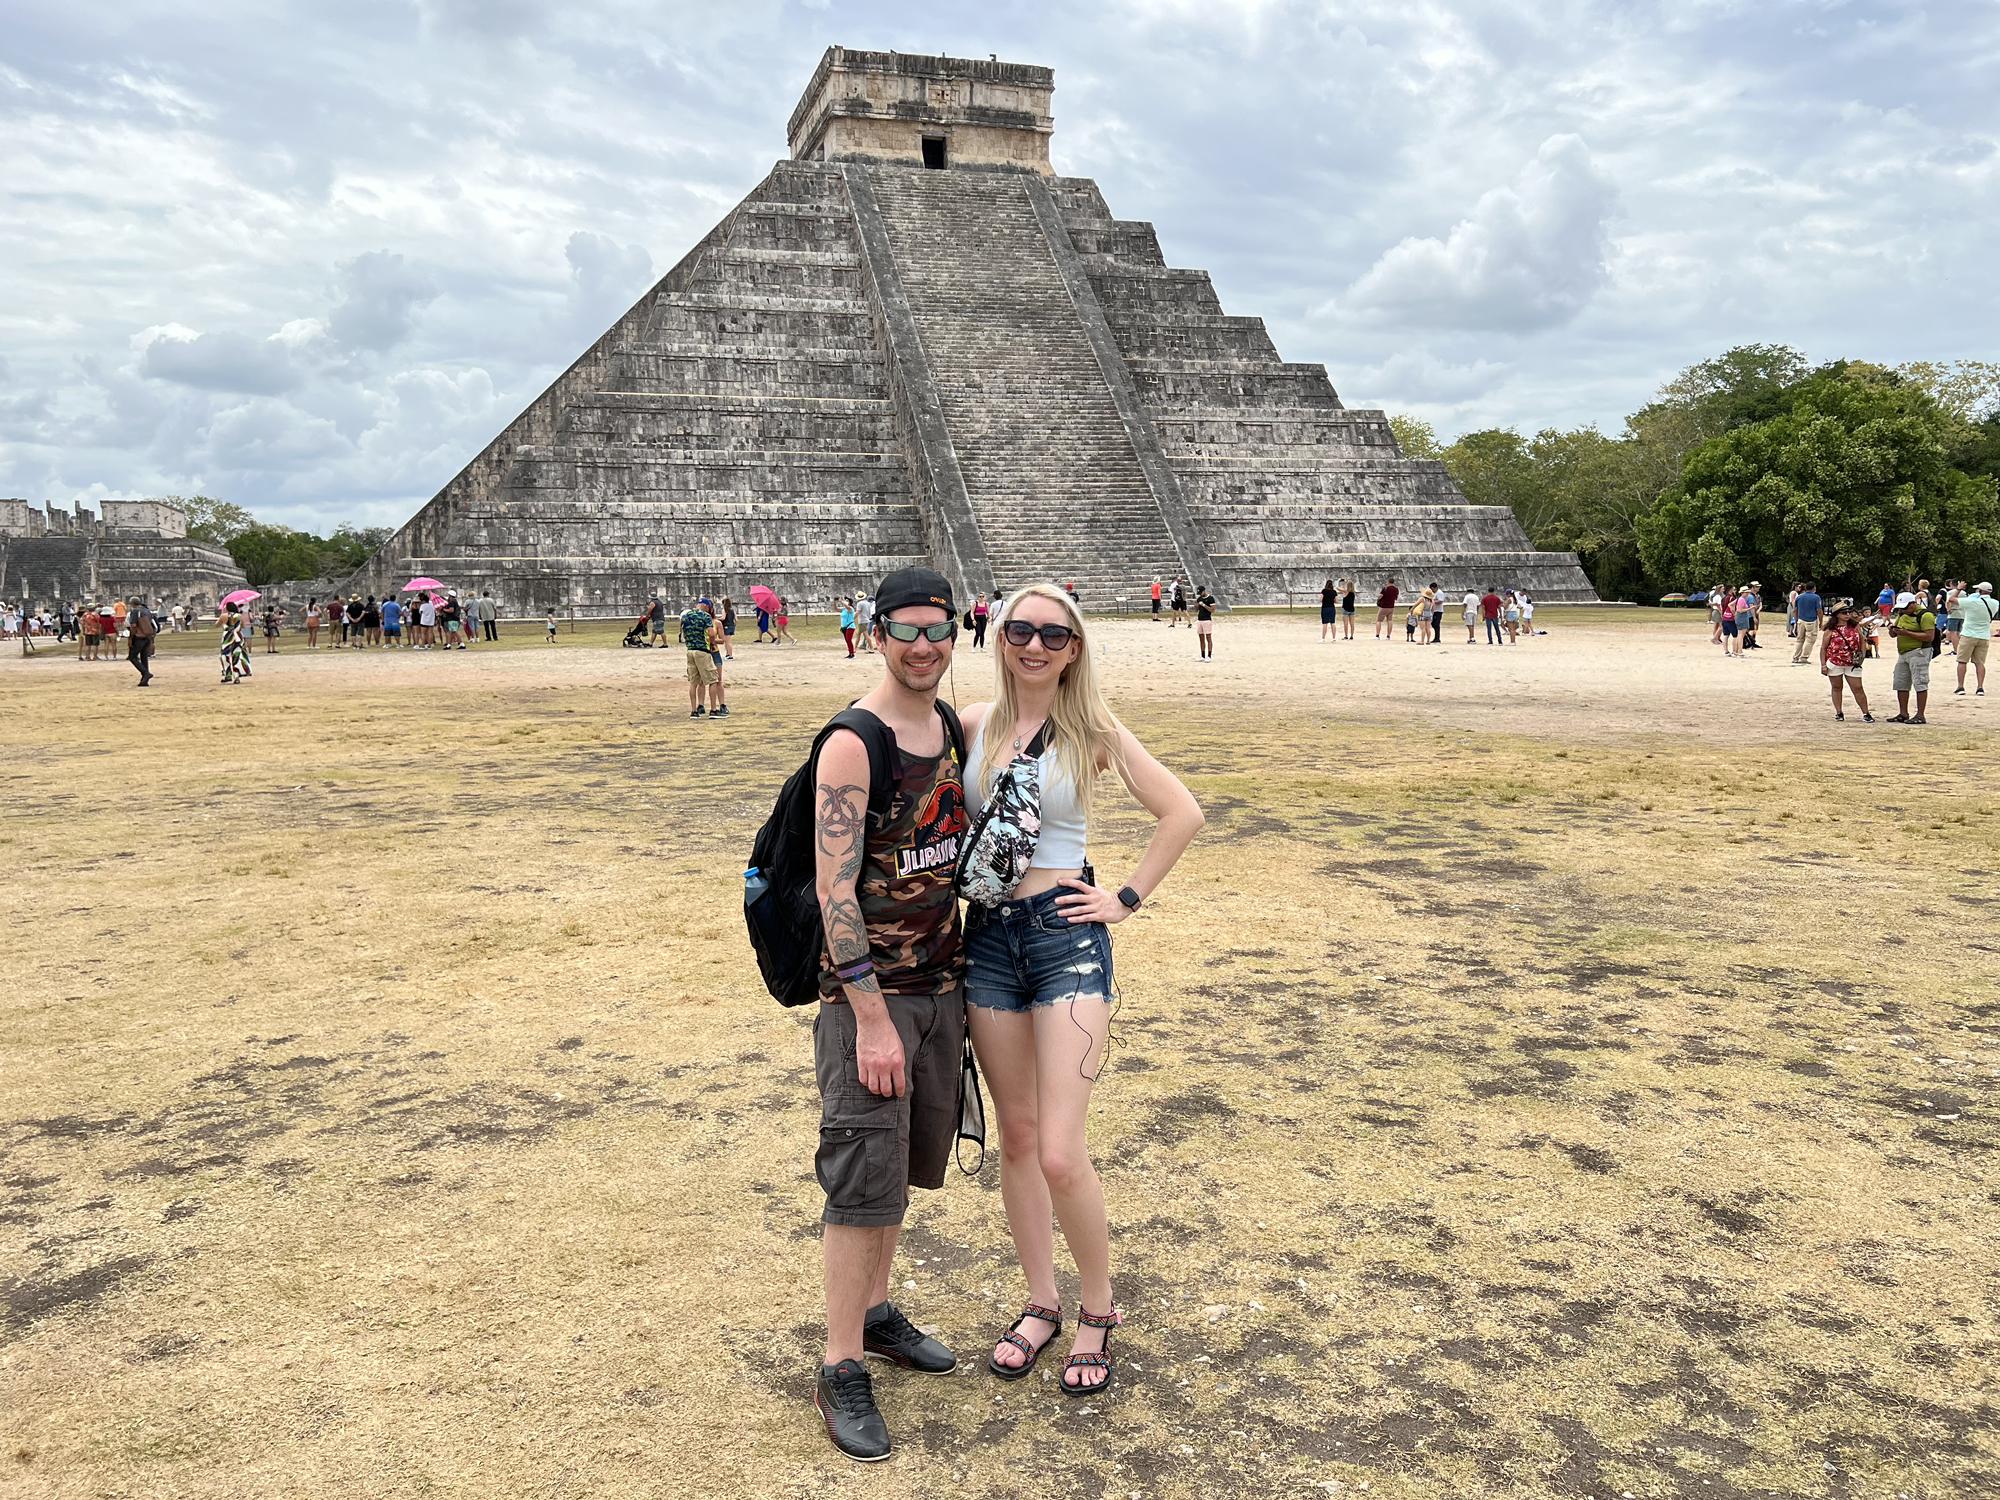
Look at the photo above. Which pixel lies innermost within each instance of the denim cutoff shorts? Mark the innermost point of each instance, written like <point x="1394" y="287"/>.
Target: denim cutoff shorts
<point x="1024" y="954"/>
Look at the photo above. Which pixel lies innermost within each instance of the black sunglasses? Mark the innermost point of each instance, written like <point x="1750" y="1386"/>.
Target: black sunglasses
<point x="1020" y="632"/>
<point x="902" y="630"/>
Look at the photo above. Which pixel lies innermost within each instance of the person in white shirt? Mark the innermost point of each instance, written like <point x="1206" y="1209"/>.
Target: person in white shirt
<point x="1469" y="605"/>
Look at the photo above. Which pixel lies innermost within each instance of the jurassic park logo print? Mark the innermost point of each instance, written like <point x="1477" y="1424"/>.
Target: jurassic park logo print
<point x="939" y="826"/>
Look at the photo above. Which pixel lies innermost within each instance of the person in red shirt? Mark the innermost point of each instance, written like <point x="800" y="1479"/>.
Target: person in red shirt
<point x="1385" y="610"/>
<point x="1489" y="610"/>
<point x="1842" y="649"/>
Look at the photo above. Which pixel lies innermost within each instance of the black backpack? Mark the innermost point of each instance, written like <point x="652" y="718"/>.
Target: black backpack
<point x="780" y="899"/>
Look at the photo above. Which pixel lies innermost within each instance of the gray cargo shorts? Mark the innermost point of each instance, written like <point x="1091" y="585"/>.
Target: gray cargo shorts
<point x="873" y="1150"/>
<point x="1913" y="672"/>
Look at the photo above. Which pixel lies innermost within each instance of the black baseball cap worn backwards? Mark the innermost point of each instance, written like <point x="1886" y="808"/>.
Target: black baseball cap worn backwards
<point x="908" y="586"/>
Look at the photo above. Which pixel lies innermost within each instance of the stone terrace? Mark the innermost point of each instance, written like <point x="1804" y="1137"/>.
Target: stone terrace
<point x="736" y="428"/>
<point x="878" y="359"/>
<point x="1286" y="484"/>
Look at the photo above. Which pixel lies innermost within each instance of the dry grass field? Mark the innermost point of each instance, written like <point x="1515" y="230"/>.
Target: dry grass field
<point x="1565" y="1070"/>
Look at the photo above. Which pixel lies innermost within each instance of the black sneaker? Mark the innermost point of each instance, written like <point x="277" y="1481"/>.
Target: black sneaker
<point x="699" y="713"/>
<point x="889" y="1335"/>
<point x="845" y="1398"/>
<point x="720" y="713"/>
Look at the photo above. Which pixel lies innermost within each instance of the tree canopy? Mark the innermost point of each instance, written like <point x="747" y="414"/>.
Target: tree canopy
<point x="269" y="553"/>
<point x="1753" y="463"/>
<point x="212" y="520"/>
<point x="1850" y="481"/>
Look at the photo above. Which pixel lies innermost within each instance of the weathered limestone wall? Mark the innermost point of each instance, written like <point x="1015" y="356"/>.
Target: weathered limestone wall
<point x="967" y="146"/>
<point x="169" y="571"/>
<point x="867" y="364"/>
<point x="937" y="480"/>
<point x="878" y="106"/>
<point x="736" y="427"/>
<point x="152" y="517"/>
<point x="1287" y="486"/>
<point x="48" y="569"/>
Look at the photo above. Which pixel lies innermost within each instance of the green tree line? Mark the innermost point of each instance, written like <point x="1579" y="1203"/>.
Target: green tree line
<point x="1757" y="464"/>
<point x="269" y="553"/>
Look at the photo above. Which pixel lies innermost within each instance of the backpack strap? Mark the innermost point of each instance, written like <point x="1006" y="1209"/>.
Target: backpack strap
<point x="881" y="742"/>
<point x="954" y="732"/>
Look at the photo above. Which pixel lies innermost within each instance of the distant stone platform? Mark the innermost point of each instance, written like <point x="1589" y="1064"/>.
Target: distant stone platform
<point x="135" y="548"/>
<point x="913" y="342"/>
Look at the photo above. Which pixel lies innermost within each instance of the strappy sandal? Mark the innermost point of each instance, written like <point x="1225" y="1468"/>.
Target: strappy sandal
<point x="1100" y="1360"/>
<point x="1033" y="1351"/>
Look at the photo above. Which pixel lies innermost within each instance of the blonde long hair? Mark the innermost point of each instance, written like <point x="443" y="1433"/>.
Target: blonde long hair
<point x="1081" y="725"/>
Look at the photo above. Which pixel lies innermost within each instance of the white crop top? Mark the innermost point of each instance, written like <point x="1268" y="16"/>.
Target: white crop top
<point x="1061" y="844"/>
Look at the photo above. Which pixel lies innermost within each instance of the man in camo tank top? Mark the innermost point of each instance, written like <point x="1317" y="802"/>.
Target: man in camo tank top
<point x="890" y="1031"/>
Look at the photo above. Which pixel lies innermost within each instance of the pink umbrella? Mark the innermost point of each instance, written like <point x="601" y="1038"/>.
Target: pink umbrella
<point x="422" y="583"/>
<point x="241" y="596"/>
<point x="763" y="598"/>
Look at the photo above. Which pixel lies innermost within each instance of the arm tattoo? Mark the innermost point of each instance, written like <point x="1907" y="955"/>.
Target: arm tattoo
<point x="842" y="830"/>
<point x="846" y="936"/>
<point x="843" y="822"/>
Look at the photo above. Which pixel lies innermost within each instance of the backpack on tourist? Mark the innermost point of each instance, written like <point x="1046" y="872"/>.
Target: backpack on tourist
<point x="780" y="898"/>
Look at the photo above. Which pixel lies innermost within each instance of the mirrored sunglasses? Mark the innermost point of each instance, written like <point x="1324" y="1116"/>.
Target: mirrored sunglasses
<point x="902" y="630"/>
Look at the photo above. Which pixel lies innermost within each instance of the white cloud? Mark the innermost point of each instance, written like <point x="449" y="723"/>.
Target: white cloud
<point x="380" y="295"/>
<point x="605" y="278"/>
<point x="1530" y="255"/>
<point x="437" y="205"/>
<point x="219" y="362"/>
<point x="1412" y="378"/>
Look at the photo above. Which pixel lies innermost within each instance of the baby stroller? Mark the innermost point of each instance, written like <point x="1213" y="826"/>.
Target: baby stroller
<point x="636" y="636"/>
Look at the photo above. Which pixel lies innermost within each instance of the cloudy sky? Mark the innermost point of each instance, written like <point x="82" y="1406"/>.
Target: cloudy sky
<point x="312" y="257"/>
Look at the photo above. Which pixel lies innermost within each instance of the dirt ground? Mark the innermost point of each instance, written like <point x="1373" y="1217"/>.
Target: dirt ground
<point x="1559" y="1070"/>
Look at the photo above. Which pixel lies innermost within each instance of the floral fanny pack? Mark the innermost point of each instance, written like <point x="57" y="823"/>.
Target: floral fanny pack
<point x="1001" y="846"/>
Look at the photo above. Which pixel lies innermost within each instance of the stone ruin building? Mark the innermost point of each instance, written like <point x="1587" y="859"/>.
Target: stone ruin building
<point x="138" y="547"/>
<point x="913" y="341"/>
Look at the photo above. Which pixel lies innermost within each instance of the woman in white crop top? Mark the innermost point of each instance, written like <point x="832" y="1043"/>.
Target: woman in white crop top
<point x="1038" y="978"/>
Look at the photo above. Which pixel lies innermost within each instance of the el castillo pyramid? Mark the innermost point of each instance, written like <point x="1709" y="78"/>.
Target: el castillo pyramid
<point x="913" y="342"/>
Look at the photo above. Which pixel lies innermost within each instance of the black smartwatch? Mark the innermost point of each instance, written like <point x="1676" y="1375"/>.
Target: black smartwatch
<point x="1129" y="896"/>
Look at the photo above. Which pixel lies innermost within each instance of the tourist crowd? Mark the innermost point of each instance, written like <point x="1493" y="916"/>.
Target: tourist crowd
<point x="440" y="621"/>
<point x="89" y="624"/>
<point x="1921" y="620"/>
<point x="1507" y="614"/>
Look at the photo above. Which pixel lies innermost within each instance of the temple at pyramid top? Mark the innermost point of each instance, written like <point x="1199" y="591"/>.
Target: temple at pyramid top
<point x="914" y="342"/>
<point x="940" y="112"/>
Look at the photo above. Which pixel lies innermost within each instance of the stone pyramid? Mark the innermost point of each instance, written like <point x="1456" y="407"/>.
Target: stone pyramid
<point x="913" y="342"/>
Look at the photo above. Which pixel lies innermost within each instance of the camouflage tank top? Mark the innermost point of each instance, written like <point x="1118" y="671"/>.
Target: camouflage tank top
<point x="905" y="882"/>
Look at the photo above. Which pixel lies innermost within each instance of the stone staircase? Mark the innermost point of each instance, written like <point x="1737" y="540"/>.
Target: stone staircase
<point x="737" y="429"/>
<point x="1048" y="463"/>
<point x="868" y="366"/>
<point x="1287" y="485"/>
